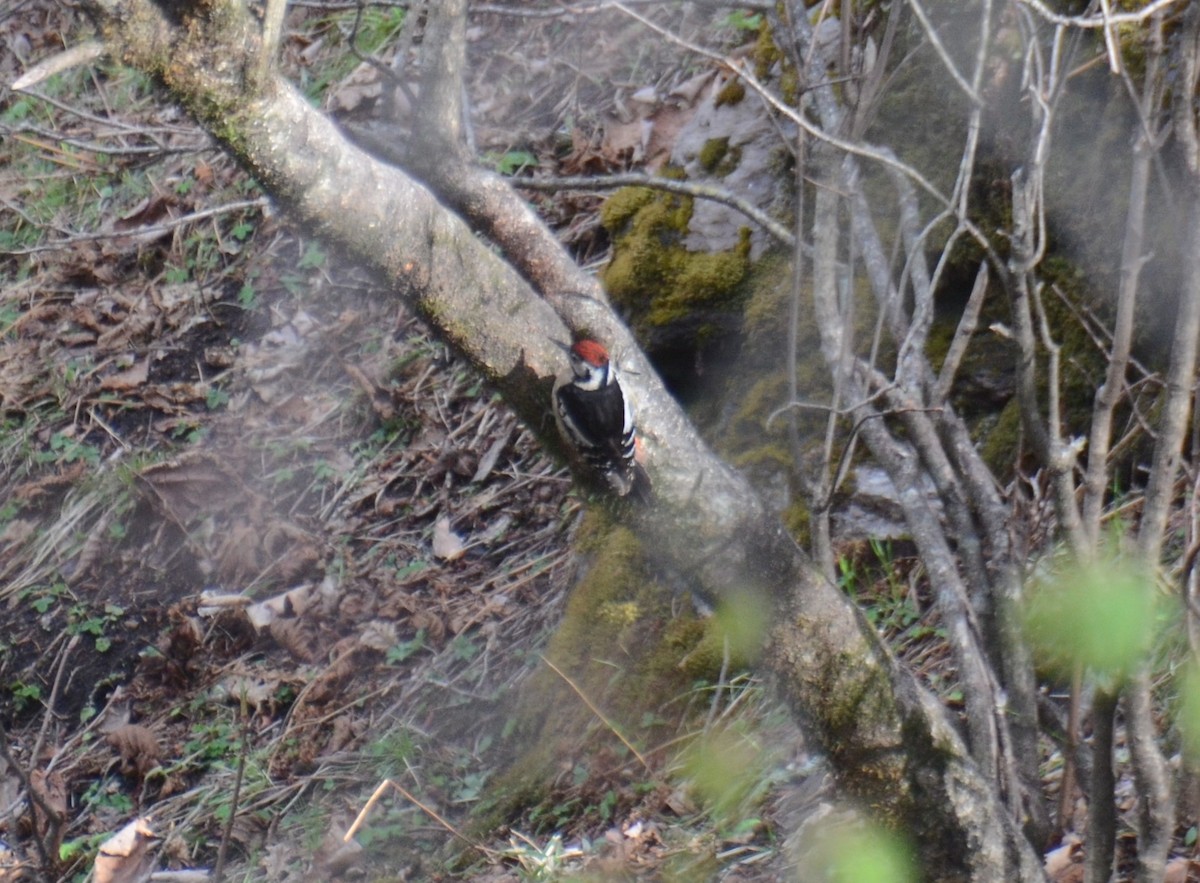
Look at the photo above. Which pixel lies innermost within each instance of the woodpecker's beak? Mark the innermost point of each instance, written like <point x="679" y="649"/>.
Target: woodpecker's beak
<point x="565" y="347"/>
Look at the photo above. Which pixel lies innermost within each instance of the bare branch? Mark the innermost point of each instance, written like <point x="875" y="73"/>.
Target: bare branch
<point x="1102" y="20"/>
<point x="939" y="48"/>
<point x="141" y="232"/>
<point x="967" y="324"/>
<point x="85" y="52"/>
<point x="710" y="192"/>
<point x="1100" y="439"/>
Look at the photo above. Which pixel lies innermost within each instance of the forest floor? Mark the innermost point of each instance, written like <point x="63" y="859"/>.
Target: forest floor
<point x="265" y="545"/>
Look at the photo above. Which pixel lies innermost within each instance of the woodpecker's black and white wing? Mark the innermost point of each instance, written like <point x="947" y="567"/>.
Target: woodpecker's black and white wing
<point x="599" y="424"/>
<point x="596" y="419"/>
<point x="589" y="417"/>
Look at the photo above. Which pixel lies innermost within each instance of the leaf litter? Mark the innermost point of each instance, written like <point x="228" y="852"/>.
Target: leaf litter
<point x="287" y="526"/>
<point x="312" y="544"/>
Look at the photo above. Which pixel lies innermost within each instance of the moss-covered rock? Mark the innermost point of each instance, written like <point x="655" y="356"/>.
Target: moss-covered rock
<point x="664" y="289"/>
<point x="623" y="648"/>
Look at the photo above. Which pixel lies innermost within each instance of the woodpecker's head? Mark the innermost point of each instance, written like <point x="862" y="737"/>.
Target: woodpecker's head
<point x="590" y="364"/>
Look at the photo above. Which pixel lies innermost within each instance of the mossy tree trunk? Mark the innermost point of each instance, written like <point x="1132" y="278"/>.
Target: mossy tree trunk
<point x="890" y="742"/>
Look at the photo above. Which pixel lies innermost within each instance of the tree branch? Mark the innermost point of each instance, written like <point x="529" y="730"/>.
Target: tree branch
<point x="891" y="742"/>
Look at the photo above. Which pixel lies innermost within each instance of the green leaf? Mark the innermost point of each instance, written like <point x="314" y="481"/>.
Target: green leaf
<point x="312" y="258"/>
<point x="514" y="161"/>
<point x="1099" y="615"/>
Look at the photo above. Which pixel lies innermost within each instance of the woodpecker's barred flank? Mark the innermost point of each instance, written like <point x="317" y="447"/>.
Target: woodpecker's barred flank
<point x="596" y="420"/>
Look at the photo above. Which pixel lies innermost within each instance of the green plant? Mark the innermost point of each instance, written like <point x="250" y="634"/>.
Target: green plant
<point x="404" y="649"/>
<point x="212" y="741"/>
<point x="541" y="862"/>
<point x="81" y="847"/>
<point x="371" y="29"/>
<point x="25" y="695"/>
<point x="104" y="794"/>
<point x="847" y="575"/>
<point x="82" y="621"/>
<point x="512" y="162"/>
<point x="313" y="258"/>
<point x="215" y="398"/>
<point x="463" y="647"/>
<point x="740" y="20"/>
<point x="65" y="448"/>
<point x="41" y="598"/>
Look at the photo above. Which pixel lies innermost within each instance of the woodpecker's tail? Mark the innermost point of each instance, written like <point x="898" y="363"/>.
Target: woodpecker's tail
<point x="640" y="488"/>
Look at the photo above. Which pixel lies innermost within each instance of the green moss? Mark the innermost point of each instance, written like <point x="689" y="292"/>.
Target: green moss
<point x="712" y="152"/>
<point x="653" y="277"/>
<point x="765" y="53"/>
<point x="623" y="648"/>
<point x="731" y="93"/>
<point x="1003" y="441"/>
<point x="799" y="523"/>
<point x="622" y="206"/>
<point x="789" y="86"/>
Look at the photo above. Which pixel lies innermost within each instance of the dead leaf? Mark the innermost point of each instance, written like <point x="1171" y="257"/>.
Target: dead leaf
<point x="624" y="143"/>
<point x="1179" y="869"/>
<point x="364" y="83"/>
<point x="192" y="484"/>
<point x="430" y="623"/>
<point x="346" y="731"/>
<point x="1065" y="864"/>
<point x="447" y="545"/>
<point x="336" y="857"/>
<point x="378" y="635"/>
<point x="257" y="692"/>
<point x="31" y="490"/>
<point x="146" y="213"/>
<point x="239" y="554"/>
<point x="294" y="637"/>
<point x="488" y="462"/>
<point x="18" y="531"/>
<point x="330" y="683"/>
<point x="12" y="869"/>
<point x="125" y="857"/>
<point x="691" y="89"/>
<point x="138" y="747"/>
<point x="293" y="602"/>
<point x="381" y="402"/>
<point x="52" y="790"/>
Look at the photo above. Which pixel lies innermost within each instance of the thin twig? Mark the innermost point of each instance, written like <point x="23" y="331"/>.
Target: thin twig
<point x="1097" y="21"/>
<point x="428" y="810"/>
<point x="962" y="335"/>
<point x="156" y="229"/>
<point x="744" y="71"/>
<point x="939" y="49"/>
<point x="54" y="691"/>
<point x="685" y="188"/>
<point x="35" y="799"/>
<point x="227" y="831"/>
<point x="596" y="711"/>
<point x="141" y="150"/>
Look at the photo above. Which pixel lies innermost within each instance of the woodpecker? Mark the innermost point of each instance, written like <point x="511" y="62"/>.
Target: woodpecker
<point x="596" y="420"/>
